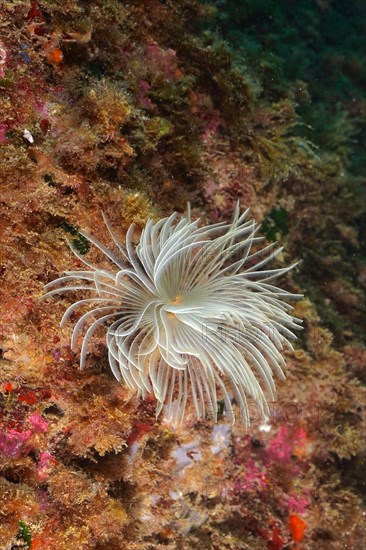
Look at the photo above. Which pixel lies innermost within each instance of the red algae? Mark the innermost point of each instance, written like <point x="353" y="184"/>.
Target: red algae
<point x="34" y="12"/>
<point x="39" y="424"/>
<point x="14" y="443"/>
<point x="276" y="541"/>
<point x="29" y="397"/>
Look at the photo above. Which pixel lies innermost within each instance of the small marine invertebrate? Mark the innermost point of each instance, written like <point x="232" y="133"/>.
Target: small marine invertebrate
<point x="189" y="308"/>
<point x="55" y="56"/>
<point x="297" y="527"/>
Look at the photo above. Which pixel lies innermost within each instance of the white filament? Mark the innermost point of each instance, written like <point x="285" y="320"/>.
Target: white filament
<point x="192" y="310"/>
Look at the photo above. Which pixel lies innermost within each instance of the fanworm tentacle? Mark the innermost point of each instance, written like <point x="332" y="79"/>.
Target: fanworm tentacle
<point x="192" y="313"/>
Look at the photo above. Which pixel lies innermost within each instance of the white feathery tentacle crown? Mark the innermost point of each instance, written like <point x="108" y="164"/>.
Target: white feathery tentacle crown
<point x="191" y="313"/>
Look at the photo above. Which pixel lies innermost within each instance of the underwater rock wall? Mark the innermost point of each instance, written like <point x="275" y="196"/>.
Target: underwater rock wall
<point x="135" y="109"/>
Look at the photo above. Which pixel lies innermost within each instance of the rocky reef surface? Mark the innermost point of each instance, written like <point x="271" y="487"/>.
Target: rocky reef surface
<point x="135" y="108"/>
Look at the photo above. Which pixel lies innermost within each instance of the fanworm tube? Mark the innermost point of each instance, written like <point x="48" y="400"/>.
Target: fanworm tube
<point x="191" y="313"/>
